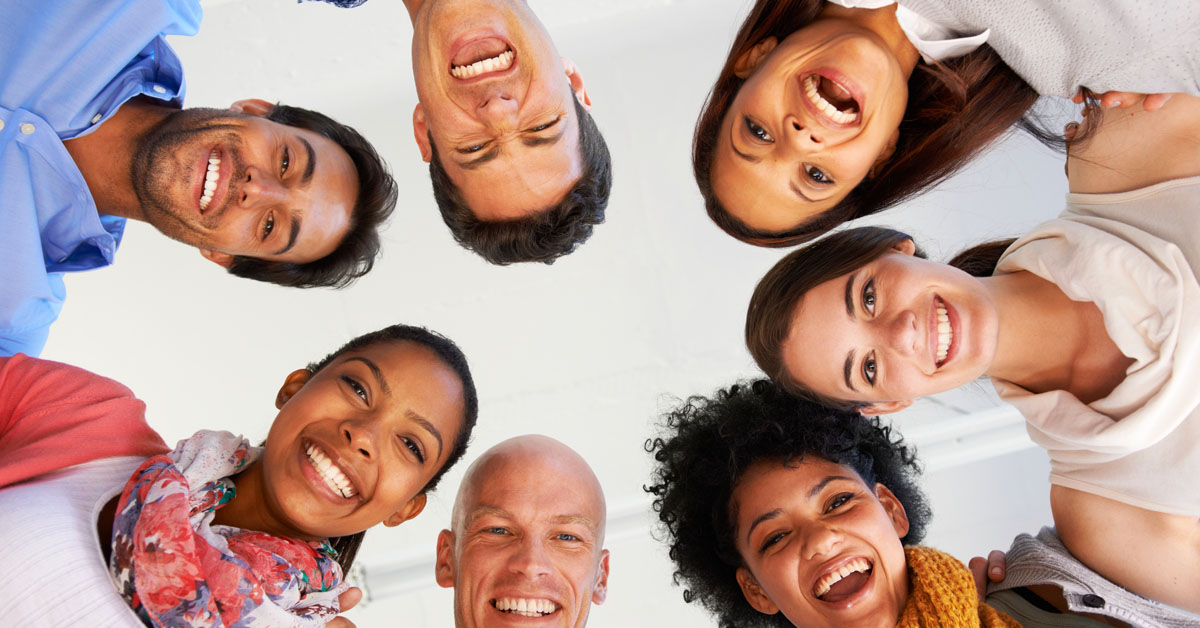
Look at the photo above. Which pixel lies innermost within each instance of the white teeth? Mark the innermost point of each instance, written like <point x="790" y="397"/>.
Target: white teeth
<point x="945" y="333"/>
<point x="826" y="107"/>
<point x="211" y="176"/>
<point x="525" y="607"/>
<point x="828" y="580"/>
<point x="500" y="62"/>
<point x="333" y="476"/>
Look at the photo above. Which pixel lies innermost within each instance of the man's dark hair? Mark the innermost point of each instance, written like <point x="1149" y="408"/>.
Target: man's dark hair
<point x="355" y="255"/>
<point x="543" y="236"/>
<point x="706" y="445"/>
<point x="450" y="355"/>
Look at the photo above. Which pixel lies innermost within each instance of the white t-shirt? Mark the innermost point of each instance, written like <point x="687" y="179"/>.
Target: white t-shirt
<point x="1133" y="255"/>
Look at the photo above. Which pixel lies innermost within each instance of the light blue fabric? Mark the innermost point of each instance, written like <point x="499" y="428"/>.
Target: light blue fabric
<point x="66" y="66"/>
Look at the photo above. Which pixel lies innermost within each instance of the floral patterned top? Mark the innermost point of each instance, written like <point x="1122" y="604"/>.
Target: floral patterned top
<point x="175" y="568"/>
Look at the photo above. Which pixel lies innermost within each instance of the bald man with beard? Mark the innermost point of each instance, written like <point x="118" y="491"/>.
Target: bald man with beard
<point x="526" y="538"/>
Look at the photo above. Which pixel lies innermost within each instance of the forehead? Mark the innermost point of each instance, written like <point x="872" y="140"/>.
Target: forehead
<point x="517" y="488"/>
<point x="820" y="336"/>
<point x="770" y="484"/>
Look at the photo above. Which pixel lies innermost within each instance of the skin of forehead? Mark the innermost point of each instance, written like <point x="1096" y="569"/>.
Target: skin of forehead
<point x="531" y="450"/>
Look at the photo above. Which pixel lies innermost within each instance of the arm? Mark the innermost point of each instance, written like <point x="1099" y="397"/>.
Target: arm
<point x="1104" y="534"/>
<point x="55" y="415"/>
<point x="1133" y="148"/>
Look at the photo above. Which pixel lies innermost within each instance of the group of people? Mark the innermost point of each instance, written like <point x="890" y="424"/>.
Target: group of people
<point x="784" y="500"/>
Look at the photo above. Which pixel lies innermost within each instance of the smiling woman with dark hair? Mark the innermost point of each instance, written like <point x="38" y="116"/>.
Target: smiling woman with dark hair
<point x="824" y="113"/>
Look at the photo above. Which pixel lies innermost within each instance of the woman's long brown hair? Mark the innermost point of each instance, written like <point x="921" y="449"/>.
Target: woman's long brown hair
<point x="955" y="109"/>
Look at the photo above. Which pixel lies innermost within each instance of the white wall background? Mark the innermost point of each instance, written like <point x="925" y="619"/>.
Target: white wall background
<point x="589" y="350"/>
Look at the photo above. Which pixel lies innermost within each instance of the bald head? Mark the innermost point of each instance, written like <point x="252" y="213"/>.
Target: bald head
<point x="527" y="532"/>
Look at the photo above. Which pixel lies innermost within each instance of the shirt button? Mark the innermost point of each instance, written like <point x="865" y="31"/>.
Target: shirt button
<point x="160" y="89"/>
<point x="27" y="128"/>
<point x="1091" y="600"/>
<point x="1" y="125"/>
<point x="96" y="118"/>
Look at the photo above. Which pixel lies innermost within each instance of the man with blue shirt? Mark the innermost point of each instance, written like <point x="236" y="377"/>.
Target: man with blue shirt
<point x="91" y="134"/>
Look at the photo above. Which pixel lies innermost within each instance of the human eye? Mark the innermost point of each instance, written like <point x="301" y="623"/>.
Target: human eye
<point x="474" y="148"/>
<point x="543" y="127"/>
<point x="268" y="226"/>
<point x="496" y="530"/>
<point x="286" y="161"/>
<point x="356" y="387"/>
<point x="757" y="131"/>
<point x="868" y="296"/>
<point x="414" y="448"/>
<point x="567" y="536"/>
<point x="869" y="368"/>
<point x="838" y="501"/>
<point x="816" y="175"/>
<point x="771" y="540"/>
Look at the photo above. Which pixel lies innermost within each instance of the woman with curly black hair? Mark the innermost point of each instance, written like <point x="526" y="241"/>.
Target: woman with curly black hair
<point x="782" y="512"/>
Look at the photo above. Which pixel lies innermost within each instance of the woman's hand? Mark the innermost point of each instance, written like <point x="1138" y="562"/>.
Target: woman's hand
<point x="985" y="570"/>
<point x="346" y="601"/>
<point x="1124" y="100"/>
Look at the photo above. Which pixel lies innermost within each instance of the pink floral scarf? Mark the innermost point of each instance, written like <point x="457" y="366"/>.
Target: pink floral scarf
<point x="177" y="569"/>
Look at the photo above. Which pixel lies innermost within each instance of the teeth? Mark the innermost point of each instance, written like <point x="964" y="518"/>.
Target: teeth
<point x="211" y="176"/>
<point x="333" y="476"/>
<point x="500" y="62"/>
<point x="525" y="607"/>
<point x="945" y="333"/>
<point x="826" y="107"/>
<point x="835" y="576"/>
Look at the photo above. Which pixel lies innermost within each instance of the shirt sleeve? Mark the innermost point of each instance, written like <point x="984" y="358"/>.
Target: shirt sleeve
<point x="54" y="415"/>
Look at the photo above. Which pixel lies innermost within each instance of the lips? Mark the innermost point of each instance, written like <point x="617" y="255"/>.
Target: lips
<point x="833" y="98"/>
<point x="843" y="580"/>
<point x="942" y="332"/>
<point x="326" y="472"/>
<point x="213" y="182"/>
<point x="525" y="607"/>
<point x="481" y="57"/>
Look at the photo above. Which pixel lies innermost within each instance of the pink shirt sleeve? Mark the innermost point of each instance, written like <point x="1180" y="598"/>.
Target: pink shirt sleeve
<point x="55" y="415"/>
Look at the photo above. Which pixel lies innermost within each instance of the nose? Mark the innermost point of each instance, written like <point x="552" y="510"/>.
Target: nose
<point x="499" y="109"/>
<point x="359" y="437"/>
<point x="258" y="189"/>
<point x="802" y="136"/>
<point x="821" y="540"/>
<point x="531" y="559"/>
<point x="903" y="333"/>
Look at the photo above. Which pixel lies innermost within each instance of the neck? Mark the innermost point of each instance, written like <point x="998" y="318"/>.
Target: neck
<point x="105" y="156"/>
<point x="883" y="23"/>
<point x="249" y="510"/>
<point x="413" y="6"/>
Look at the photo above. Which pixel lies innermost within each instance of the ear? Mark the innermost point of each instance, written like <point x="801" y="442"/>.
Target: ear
<point x="749" y="61"/>
<point x="443" y="566"/>
<point x="888" y="150"/>
<point x="905" y="246"/>
<point x="220" y="259"/>
<point x="754" y="593"/>
<point x="406" y="512"/>
<point x="421" y="133"/>
<point x="294" y="382"/>
<point x="252" y="107"/>
<point x="893" y="507"/>
<point x="600" y="591"/>
<point x="884" y="407"/>
<point x="576" y="80"/>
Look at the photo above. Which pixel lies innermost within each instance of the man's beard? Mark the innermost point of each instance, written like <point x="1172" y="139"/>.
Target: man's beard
<point x="157" y="170"/>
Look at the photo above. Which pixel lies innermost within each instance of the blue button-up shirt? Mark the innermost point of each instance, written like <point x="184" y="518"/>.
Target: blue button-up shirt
<point x="66" y="66"/>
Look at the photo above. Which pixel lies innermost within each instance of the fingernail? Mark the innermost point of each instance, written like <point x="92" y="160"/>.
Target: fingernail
<point x="995" y="571"/>
<point x="1116" y="103"/>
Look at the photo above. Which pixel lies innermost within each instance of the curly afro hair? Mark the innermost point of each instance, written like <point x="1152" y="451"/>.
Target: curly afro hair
<point x="706" y="445"/>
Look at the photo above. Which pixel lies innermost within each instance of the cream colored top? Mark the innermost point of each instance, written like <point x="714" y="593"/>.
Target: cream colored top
<point x="1133" y="255"/>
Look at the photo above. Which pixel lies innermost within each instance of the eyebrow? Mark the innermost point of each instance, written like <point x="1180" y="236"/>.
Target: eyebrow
<point x="374" y="371"/>
<point x="311" y="165"/>
<point x="494" y="151"/>
<point x="798" y="192"/>
<point x="292" y="235"/>
<point x="543" y="141"/>
<point x="813" y="492"/>
<point x="761" y="518"/>
<point x="428" y="427"/>
<point x="823" y="483"/>
<point x="849" y="365"/>
<point x="473" y="164"/>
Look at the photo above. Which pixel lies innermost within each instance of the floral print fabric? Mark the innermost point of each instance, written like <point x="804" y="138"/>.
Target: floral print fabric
<point x="175" y="568"/>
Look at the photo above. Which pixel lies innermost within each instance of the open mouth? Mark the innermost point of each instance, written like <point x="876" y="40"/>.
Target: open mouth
<point x="484" y="56"/>
<point x="844" y="581"/>
<point x="833" y="99"/>
<point x="333" y="476"/>
<point x="525" y="607"/>
<point x="945" y="332"/>
<point x="212" y="176"/>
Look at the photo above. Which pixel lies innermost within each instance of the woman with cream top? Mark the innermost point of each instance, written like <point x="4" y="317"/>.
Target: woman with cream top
<point x="1090" y="325"/>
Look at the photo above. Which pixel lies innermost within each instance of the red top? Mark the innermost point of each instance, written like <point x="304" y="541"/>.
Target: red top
<point x="55" y="415"/>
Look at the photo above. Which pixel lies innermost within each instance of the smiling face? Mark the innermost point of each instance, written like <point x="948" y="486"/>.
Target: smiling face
<point x="355" y="444"/>
<point x="898" y="328"/>
<point x="524" y="551"/>
<point x="237" y="184"/>
<point x="496" y="99"/>
<point x="816" y="113"/>
<point x="819" y="545"/>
